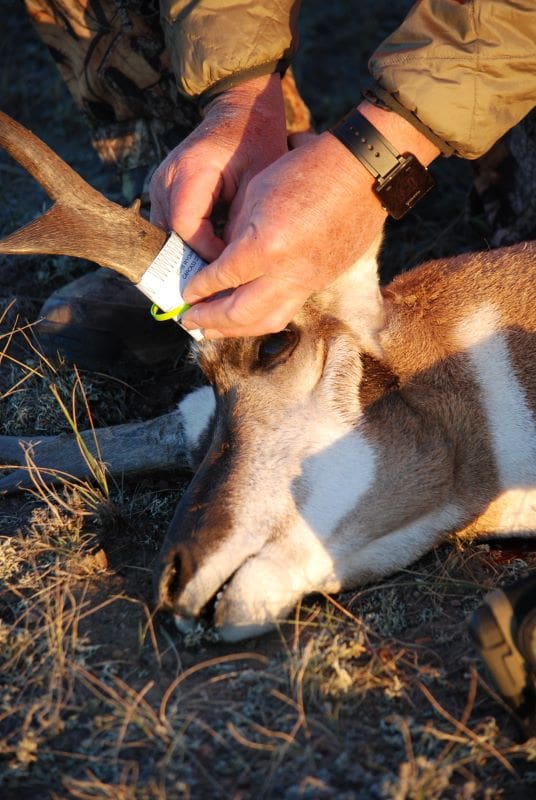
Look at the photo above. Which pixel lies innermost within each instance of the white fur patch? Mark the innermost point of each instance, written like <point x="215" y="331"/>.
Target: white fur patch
<point x="511" y="424"/>
<point x="266" y="587"/>
<point x="336" y="477"/>
<point x="359" y="301"/>
<point x="400" y="547"/>
<point x="276" y="487"/>
<point x="196" y="410"/>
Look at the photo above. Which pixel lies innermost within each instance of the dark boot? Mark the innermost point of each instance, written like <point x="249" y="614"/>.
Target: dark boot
<point x="504" y="630"/>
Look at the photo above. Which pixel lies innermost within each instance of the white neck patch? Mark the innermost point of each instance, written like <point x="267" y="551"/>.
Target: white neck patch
<point x="511" y="423"/>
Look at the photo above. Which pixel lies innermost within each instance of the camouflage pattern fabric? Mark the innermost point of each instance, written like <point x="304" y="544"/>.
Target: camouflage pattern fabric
<point x="113" y="58"/>
<point x="111" y="54"/>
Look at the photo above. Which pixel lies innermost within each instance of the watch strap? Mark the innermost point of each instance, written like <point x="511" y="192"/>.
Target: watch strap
<point x="382" y="99"/>
<point x="401" y="180"/>
<point x="367" y="144"/>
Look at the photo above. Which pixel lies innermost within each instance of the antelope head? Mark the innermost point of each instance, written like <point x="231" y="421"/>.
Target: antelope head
<point x="285" y="500"/>
<point x="347" y="445"/>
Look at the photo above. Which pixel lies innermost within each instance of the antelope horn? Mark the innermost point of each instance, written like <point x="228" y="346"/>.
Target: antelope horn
<point x="156" y="444"/>
<point x="82" y="222"/>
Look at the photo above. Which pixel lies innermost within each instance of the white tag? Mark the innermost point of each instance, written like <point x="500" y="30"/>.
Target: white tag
<point x="166" y="277"/>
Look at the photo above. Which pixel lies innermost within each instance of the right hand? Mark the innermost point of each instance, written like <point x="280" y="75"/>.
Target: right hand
<point x="242" y="133"/>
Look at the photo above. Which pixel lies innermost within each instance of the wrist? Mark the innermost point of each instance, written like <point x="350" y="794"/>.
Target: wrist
<point x="262" y="94"/>
<point x="394" y="153"/>
<point x="399" y="132"/>
<point x="346" y="170"/>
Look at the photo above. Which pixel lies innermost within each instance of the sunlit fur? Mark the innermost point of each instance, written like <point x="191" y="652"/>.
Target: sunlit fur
<point x="399" y="417"/>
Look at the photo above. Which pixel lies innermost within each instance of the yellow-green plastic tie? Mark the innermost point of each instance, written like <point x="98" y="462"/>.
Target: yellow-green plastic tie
<point x="163" y="316"/>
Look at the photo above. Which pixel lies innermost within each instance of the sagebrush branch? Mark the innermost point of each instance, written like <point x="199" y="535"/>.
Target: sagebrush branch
<point x="156" y="444"/>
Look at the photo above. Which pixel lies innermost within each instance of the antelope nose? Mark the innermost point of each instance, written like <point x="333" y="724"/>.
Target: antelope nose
<point x="178" y="568"/>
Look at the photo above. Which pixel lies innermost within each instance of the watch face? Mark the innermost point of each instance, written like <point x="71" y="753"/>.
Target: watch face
<point x="400" y="190"/>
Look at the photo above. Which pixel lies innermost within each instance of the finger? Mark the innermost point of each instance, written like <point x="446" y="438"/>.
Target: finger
<point x="190" y="206"/>
<point x="182" y="199"/>
<point x="212" y="334"/>
<point x="204" y="241"/>
<point x="238" y="264"/>
<point x="260" y="307"/>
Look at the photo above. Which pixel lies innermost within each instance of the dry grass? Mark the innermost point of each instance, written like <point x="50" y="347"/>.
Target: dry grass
<point x="376" y="694"/>
<point x="371" y="695"/>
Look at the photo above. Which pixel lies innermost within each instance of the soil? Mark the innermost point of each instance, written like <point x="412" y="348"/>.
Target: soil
<point x="373" y="694"/>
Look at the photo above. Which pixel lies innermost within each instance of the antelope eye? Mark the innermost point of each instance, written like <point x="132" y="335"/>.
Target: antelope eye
<point x="277" y="347"/>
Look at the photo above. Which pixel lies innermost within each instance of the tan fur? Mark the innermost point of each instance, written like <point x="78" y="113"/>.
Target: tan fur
<point x="405" y="387"/>
<point x="422" y="308"/>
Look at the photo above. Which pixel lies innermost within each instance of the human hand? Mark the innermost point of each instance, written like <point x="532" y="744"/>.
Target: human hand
<point x="300" y="223"/>
<point x="243" y="131"/>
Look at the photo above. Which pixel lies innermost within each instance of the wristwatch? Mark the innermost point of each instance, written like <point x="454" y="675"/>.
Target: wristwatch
<point x="401" y="179"/>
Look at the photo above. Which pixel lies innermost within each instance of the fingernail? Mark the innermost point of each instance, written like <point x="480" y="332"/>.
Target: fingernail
<point x="196" y="333"/>
<point x="190" y="317"/>
<point x="189" y="296"/>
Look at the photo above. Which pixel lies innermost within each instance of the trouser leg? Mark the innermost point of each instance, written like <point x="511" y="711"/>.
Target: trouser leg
<point x="112" y="56"/>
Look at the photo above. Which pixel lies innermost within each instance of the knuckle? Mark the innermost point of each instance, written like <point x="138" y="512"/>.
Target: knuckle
<point x="275" y="245"/>
<point x="159" y="181"/>
<point x="237" y="317"/>
<point x="253" y="322"/>
<point x="169" y="170"/>
<point x="275" y="322"/>
<point x="155" y="182"/>
<point x="225" y="276"/>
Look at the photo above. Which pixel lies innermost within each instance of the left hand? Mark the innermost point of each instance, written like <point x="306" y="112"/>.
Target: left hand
<point x="243" y="131"/>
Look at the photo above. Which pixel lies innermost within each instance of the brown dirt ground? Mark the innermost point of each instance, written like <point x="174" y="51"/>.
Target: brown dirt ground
<point x="374" y="694"/>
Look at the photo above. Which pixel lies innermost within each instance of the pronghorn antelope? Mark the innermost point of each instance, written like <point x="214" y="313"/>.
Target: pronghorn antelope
<point x="345" y="446"/>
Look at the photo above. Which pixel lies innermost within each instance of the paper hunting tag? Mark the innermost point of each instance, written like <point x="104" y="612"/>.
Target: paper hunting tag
<point x="167" y="276"/>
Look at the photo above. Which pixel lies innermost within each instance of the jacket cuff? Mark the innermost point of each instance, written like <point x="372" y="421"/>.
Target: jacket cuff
<point x="383" y="99"/>
<point x="215" y="45"/>
<point x="468" y="69"/>
<point x="241" y="77"/>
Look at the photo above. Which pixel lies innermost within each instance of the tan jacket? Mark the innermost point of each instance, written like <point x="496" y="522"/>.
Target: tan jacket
<point x="467" y="70"/>
<point x="215" y="44"/>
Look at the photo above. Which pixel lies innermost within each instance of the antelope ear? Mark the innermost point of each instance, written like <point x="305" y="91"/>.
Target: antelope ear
<point x="355" y="298"/>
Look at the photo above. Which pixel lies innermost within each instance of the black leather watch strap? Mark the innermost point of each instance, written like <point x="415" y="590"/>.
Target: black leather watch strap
<point x="401" y="180"/>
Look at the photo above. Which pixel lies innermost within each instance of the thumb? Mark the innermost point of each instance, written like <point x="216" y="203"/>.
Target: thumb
<point x="234" y="267"/>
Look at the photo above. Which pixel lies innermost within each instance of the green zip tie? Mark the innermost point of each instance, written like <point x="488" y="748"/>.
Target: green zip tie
<point x="163" y="316"/>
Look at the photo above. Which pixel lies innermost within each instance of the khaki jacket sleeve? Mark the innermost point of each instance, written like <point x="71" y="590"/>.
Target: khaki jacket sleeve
<point x="467" y="70"/>
<point x="215" y="44"/>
